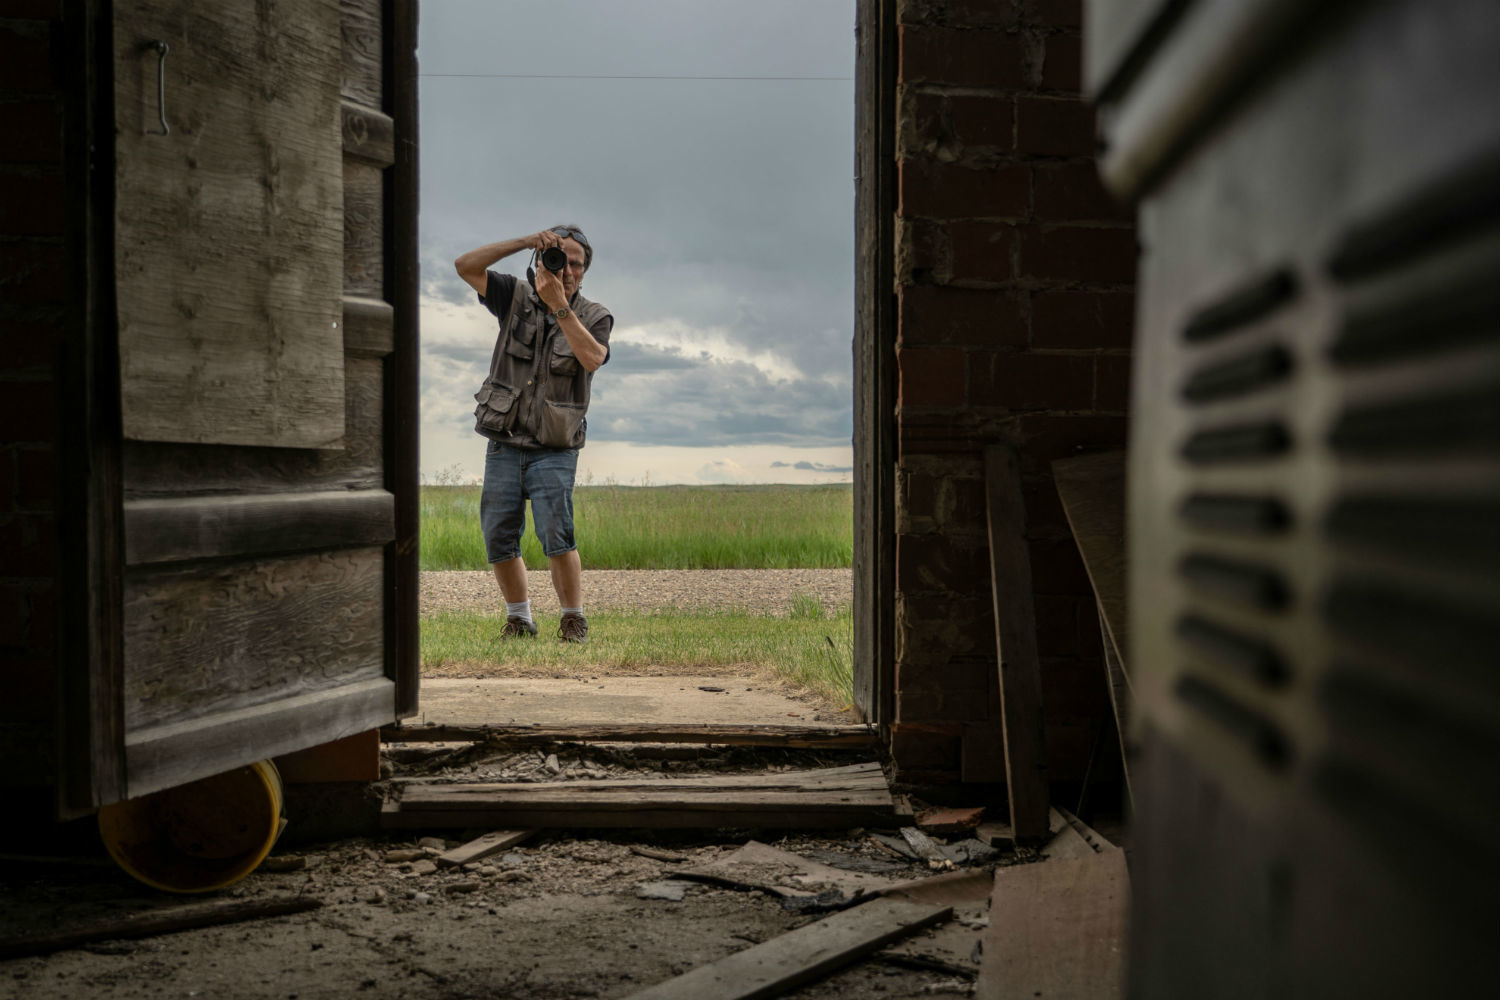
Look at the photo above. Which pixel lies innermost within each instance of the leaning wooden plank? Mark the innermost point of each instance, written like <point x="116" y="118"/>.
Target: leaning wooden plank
<point x="801" y="737"/>
<point x="176" y="918"/>
<point x="1015" y="640"/>
<point x="482" y="847"/>
<point x="1092" y="490"/>
<point x="1067" y="844"/>
<point x="1057" y="930"/>
<point x="786" y="962"/>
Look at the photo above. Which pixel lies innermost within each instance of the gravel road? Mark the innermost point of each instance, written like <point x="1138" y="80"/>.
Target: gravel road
<point x="764" y="591"/>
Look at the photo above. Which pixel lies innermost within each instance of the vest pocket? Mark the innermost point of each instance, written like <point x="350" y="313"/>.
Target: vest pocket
<point x="497" y="408"/>
<point x="562" y="425"/>
<point x="563" y="361"/>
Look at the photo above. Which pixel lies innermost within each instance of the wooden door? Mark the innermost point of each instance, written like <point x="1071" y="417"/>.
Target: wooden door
<point x="264" y="283"/>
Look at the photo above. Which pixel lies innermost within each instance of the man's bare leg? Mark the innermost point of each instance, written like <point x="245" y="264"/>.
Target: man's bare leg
<point x="511" y="576"/>
<point x="567" y="578"/>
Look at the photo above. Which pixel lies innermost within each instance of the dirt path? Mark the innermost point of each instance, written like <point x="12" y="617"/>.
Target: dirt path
<point x="766" y="591"/>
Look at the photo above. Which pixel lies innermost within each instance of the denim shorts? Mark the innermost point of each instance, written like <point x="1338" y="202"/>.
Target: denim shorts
<point x="513" y="476"/>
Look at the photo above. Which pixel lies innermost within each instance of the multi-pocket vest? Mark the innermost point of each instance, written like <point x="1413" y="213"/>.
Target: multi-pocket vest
<point x="537" y="393"/>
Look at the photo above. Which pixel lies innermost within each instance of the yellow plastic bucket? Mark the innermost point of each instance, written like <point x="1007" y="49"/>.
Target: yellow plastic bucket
<point x="200" y="836"/>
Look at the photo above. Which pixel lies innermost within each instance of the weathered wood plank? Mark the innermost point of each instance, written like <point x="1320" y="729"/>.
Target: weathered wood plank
<point x="160" y="531"/>
<point x="482" y="847"/>
<point x="174" y="754"/>
<point x="208" y="640"/>
<point x="1015" y="632"/>
<point x="803" y="955"/>
<point x="156" y="469"/>
<point x="802" y="737"/>
<point x="368" y="134"/>
<point x="360" y="31"/>
<point x="214" y="913"/>
<point x="369" y="327"/>
<point x="1057" y="930"/>
<point x="1092" y="489"/>
<point x="227" y="229"/>
<point x="364" y="231"/>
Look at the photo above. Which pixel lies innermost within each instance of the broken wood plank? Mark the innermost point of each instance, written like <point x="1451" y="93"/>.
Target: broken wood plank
<point x="1092" y="490"/>
<point x="801" y="956"/>
<point x="926" y="848"/>
<point x="1015" y="641"/>
<point x="944" y="819"/>
<point x="1066" y="843"/>
<point x="153" y="922"/>
<point x="482" y="847"/>
<point x="781" y="873"/>
<point x="799" y="737"/>
<point x="856" y="795"/>
<point x="1057" y="930"/>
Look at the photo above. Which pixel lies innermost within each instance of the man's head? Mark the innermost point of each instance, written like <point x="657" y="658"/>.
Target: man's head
<point x="580" y="256"/>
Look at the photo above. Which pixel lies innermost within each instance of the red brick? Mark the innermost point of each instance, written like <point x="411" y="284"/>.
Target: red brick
<point x="919" y="494"/>
<point x="1044" y="509"/>
<point x="30" y="131"/>
<point x="353" y="758"/>
<point x="1112" y="383"/>
<point x="27" y="345"/>
<point x="1068" y="192"/>
<point x="940" y="563"/>
<point x="958" y="13"/>
<point x="930" y="376"/>
<point x="36" y="484"/>
<point x="1057" y="13"/>
<point x="1046" y="437"/>
<point x="40" y="10"/>
<point x="1029" y="381"/>
<point x="1062" y="68"/>
<point x="1057" y="568"/>
<point x="982" y="121"/>
<point x="978" y="317"/>
<point x="948" y="191"/>
<point x="26" y="411"/>
<point x="27" y="545"/>
<point x="923" y="253"/>
<point x="1054" y="126"/>
<point x="982" y="251"/>
<point x="1094" y="256"/>
<point x="33" y="206"/>
<point x="31" y="274"/>
<point x="918" y="746"/>
<point x="960" y="57"/>
<point x="1082" y="319"/>
<point x="25" y="56"/>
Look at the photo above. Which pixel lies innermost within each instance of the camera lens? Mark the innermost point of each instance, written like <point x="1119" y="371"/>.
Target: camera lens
<point x="554" y="260"/>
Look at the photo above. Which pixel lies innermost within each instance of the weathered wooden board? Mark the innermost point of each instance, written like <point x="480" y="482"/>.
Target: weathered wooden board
<point x="207" y="527"/>
<point x="158" y="469"/>
<point x="781" y="873"/>
<point x="1015" y="631"/>
<point x="368" y="134"/>
<point x="204" y="640"/>
<point x="359" y="30"/>
<point x="482" y="847"/>
<point x="364" y="233"/>
<point x="802" y="737"/>
<point x="846" y="796"/>
<point x="227" y="229"/>
<point x="782" y="963"/>
<point x="1057" y="930"/>
<point x="1092" y="489"/>
<point x="369" y="327"/>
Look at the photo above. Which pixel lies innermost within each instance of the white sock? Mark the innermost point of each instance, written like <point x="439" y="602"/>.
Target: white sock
<point x="573" y="611"/>
<point x="521" y="609"/>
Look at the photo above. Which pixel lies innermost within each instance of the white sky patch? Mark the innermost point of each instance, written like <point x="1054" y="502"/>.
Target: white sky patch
<point x="713" y="343"/>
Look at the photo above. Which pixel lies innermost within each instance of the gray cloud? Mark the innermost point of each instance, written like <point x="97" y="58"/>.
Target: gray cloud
<point x="814" y="467"/>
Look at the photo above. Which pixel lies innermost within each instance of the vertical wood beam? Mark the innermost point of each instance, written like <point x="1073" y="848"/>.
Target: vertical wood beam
<point x="1015" y="641"/>
<point x="874" y="362"/>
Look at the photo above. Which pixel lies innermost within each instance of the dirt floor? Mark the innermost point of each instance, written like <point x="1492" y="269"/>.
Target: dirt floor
<point x="561" y="915"/>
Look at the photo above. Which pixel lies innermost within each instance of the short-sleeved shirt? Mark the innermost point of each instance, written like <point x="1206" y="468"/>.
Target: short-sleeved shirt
<point x="500" y="289"/>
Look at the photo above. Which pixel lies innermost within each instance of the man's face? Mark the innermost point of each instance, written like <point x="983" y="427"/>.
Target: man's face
<point x="572" y="275"/>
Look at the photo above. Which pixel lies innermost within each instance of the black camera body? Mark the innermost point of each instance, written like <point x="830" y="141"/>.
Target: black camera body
<point x="554" y="260"/>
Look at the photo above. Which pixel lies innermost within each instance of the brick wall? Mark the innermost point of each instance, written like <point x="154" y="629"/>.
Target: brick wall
<point x="1014" y="286"/>
<point x="32" y="323"/>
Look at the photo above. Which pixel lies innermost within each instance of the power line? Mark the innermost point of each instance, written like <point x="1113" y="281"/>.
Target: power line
<point x="584" y="76"/>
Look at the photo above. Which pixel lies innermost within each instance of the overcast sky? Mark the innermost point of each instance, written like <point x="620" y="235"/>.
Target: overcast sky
<point x="721" y="214"/>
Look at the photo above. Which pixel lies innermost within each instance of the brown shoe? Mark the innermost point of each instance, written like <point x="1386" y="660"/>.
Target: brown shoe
<point x="574" y="628"/>
<point x="517" y="627"/>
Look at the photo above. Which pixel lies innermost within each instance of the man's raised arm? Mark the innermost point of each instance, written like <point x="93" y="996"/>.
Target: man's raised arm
<point x="472" y="266"/>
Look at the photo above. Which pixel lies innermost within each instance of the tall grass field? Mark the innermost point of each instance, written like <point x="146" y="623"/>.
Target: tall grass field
<point x="664" y="527"/>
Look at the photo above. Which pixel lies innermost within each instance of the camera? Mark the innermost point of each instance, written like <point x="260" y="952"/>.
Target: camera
<point x="554" y="260"/>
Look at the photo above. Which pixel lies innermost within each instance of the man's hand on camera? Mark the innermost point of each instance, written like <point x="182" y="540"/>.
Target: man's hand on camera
<point x="544" y="239"/>
<point x="549" y="288"/>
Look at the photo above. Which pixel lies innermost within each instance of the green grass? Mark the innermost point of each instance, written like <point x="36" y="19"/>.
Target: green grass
<point x="664" y="527"/>
<point x="810" y="648"/>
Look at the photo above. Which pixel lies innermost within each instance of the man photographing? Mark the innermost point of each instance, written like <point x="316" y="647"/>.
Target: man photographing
<point x="531" y="408"/>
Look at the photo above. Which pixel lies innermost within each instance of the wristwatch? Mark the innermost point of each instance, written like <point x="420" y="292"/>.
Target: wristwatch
<point x="561" y="313"/>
